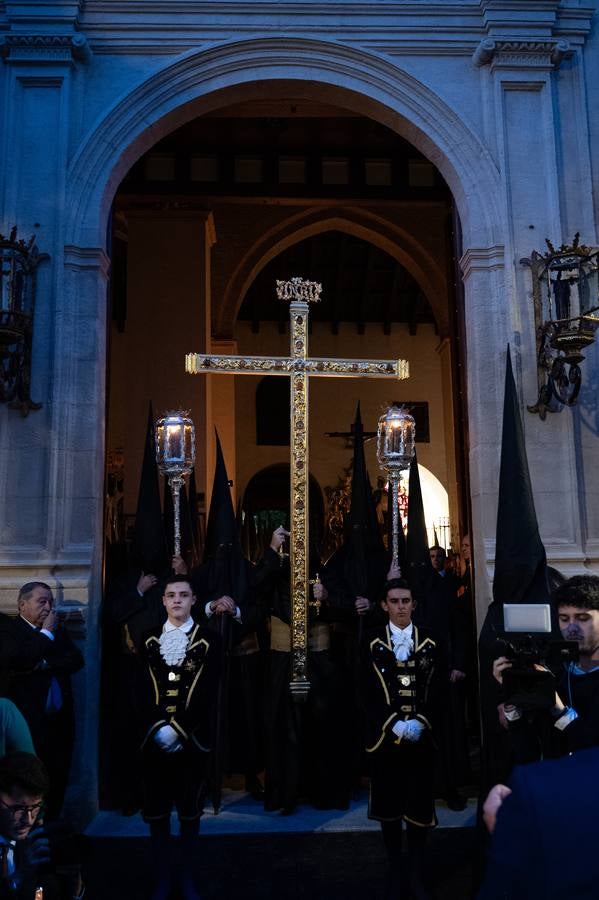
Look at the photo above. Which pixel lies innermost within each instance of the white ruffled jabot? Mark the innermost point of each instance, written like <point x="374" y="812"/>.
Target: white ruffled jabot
<point x="173" y="642"/>
<point x="403" y="645"/>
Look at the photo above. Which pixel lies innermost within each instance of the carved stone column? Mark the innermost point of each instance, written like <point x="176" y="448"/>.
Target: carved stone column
<point x="518" y="79"/>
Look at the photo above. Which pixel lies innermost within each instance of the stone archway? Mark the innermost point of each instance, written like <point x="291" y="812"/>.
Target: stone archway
<point x="353" y="221"/>
<point x="359" y="81"/>
<point x="206" y="80"/>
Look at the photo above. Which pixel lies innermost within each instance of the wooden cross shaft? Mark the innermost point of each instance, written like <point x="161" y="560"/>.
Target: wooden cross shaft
<point x="299" y="367"/>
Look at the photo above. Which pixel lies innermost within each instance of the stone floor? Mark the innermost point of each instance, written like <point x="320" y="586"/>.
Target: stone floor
<point x="247" y="853"/>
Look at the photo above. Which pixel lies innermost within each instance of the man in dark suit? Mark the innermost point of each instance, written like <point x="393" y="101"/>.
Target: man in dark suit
<point x="544" y="844"/>
<point x="41" y="658"/>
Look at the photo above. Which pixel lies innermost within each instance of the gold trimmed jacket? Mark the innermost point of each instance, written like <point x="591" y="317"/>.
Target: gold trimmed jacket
<point x="397" y="690"/>
<point x="181" y="696"/>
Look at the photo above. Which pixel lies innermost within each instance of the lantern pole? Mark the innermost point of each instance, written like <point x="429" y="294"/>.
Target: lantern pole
<point x="176" y="482"/>
<point x="394" y="475"/>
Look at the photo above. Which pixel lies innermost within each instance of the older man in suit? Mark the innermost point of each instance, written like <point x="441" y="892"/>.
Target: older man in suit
<point x="41" y="657"/>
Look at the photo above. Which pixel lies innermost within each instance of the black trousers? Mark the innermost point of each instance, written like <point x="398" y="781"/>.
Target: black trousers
<point x="173" y="779"/>
<point x="53" y="742"/>
<point x="401" y="782"/>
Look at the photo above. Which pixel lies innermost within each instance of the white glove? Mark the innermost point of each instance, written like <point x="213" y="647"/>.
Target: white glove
<point x="414" y="730"/>
<point x="410" y="729"/>
<point x="167" y="739"/>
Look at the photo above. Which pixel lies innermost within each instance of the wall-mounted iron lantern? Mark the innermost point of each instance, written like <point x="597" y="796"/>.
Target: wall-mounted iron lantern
<point x="565" y="284"/>
<point x="18" y="265"/>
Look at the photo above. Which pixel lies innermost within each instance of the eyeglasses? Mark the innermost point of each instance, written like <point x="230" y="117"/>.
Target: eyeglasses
<point x="18" y="810"/>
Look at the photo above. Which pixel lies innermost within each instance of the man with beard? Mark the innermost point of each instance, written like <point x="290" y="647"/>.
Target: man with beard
<point x="574" y="719"/>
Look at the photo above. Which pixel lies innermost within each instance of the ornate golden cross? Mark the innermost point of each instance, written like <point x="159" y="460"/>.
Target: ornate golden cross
<point x="299" y="367"/>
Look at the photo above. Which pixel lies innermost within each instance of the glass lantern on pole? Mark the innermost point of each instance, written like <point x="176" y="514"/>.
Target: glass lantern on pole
<point x="395" y="447"/>
<point x="175" y="456"/>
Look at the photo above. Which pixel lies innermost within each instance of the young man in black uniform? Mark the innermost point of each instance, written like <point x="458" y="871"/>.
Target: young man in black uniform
<point x="400" y="684"/>
<point x="176" y="700"/>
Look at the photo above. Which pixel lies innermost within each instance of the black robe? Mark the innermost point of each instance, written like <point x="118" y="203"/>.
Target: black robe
<point x="444" y="613"/>
<point x="303" y="741"/>
<point x="241" y="717"/>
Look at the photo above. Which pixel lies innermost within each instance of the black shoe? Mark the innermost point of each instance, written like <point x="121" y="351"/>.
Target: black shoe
<point x="254" y="787"/>
<point x="188" y="891"/>
<point x="161" y="891"/>
<point x="455" y="801"/>
<point x="398" y="883"/>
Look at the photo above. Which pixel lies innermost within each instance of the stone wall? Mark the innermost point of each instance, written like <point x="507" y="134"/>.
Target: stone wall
<point x="501" y="97"/>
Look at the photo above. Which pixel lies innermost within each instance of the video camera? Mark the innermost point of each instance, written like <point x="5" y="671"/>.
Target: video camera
<point x="67" y="847"/>
<point x="524" y="684"/>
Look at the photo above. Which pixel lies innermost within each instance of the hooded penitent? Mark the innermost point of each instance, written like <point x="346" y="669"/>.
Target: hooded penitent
<point x="417" y="552"/>
<point x="223" y="556"/>
<point x="149" y="549"/>
<point x="363" y="555"/>
<point x="520" y="561"/>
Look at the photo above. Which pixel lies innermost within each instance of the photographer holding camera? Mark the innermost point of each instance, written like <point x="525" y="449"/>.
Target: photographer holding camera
<point x="571" y="722"/>
<point x="33" y="855"/>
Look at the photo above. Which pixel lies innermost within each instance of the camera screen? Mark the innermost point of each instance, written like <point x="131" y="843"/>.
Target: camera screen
<point x="529" y="618"/>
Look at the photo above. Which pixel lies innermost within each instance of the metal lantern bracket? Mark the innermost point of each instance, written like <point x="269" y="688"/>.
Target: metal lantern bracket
<point x="18" y="268"/>
<point x="565" y="289"/>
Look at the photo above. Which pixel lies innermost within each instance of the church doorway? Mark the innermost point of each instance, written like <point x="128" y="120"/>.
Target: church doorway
<point x="207" y="220"/>
<point x="203" y="225"/>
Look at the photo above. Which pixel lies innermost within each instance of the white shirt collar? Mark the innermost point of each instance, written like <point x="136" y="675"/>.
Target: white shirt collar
<point x="407" y="631"/>
<point x="31" y="625"/>
<point x="185" y="627"/>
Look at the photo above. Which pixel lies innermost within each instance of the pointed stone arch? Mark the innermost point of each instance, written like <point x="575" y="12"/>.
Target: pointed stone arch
<point x="354" y="221"/>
